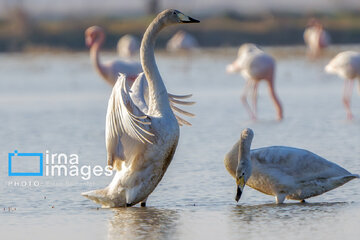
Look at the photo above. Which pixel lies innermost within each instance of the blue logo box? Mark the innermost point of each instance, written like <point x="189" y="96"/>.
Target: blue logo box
<point x="14" y="155"/>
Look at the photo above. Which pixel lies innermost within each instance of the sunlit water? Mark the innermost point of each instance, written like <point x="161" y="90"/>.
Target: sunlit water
<point x="57" y="102"/>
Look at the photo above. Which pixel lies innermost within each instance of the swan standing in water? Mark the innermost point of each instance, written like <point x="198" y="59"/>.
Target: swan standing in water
<point x="315" y="38"/>
<point x="346" y="65"/>
<point x="255" y="65"/>
<point x="141" y="138"/>
<point x="109" y="71"/>
<point x="283" y="172"/>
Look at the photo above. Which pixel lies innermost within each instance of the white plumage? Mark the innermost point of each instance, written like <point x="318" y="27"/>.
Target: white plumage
<point x="283" y="172"/>
<point x="141" y="136"/>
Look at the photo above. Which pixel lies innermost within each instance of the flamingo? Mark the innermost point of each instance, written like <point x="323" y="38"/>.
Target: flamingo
<point x="182" y="41"/>
<point x="255" y="65"/>
<point x="346" y="65"/>
<point x="141" y="137"/>
<point x="128" y="46"/>
<point x="315" y="38"/>
<point x="109" y="71"/>
<point x="283" y="172"/>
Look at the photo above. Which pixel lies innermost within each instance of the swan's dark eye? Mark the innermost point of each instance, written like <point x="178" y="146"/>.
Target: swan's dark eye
<point x="243" y="174"/>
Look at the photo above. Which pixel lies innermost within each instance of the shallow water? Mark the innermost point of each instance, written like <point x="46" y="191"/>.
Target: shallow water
<point x="56" y="102"/>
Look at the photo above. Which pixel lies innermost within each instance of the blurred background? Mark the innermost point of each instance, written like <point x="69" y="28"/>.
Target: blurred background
<point x="27" y="25"/>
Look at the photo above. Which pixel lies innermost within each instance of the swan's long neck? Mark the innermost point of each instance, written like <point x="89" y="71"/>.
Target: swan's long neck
<point x="158" y="98"/>
<point x="95" y="58"/>
<point x="244" y="150"/>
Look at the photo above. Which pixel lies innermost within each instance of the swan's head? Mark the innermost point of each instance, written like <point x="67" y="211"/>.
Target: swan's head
<point x="94" y="34"/>
<point x="243" y="170"/>
<point x="172" y="16"/>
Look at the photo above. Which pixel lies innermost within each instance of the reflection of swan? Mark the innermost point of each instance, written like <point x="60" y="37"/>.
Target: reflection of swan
<point x="128" y="46"/>
<point x="255" y="65"/>
<point x="142" y="223"/>
<point x="316" y="38"/>
<point x="141" y="138"/>
<point x="346" y="65"/>
<point x="283" y="172"/>
<point x="109" y="71"/>
<point x="182" y="41"/>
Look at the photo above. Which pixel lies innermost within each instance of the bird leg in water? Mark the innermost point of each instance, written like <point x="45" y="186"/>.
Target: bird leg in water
<point x="244" y="99"/>
<point x="348" y="86"/>
<point x="254" y="97"/>
<point x="275" y="98"/>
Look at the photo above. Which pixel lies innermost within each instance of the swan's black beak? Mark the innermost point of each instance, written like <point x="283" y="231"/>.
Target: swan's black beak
<point x="240" y="183"/>
<point x="190" y="20"/>
<point x="186" y="19"/>
<point x="238" y="194"/>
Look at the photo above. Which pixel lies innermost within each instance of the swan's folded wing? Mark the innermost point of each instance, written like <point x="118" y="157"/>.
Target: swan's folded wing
<point x="174" y="99"/>
<point x="124" y="118"/>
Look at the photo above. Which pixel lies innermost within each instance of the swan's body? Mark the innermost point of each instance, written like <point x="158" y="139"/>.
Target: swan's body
<point x="182" y="41"/>
<point x="283" y="172"/>
<point x="141" y="137"/>
<point x="128" y="46"/>
<point x="255" y="65"/>
<point x="346" y="65"/>
<point x="316" y="38"/>
<point x="109" y="71"/>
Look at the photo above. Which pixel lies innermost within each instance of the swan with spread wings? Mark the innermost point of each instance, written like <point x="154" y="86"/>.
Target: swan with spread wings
<point x="142" y="131"/>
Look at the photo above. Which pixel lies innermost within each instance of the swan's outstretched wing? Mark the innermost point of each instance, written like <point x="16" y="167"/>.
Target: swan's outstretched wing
<point x="139" y="95"/>
<point x="124" y="121"/>
<point x="174" y="99"/>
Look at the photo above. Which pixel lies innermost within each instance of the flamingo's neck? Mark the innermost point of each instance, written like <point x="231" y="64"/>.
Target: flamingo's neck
<point x="95" y="58"/>
<point x="158" y="98"/>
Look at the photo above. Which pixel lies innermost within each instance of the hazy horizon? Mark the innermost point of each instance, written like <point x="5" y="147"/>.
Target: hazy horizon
<point x="122" y="7"/>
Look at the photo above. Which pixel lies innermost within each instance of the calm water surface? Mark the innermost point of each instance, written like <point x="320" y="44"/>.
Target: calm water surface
<point x="56" y="102"/>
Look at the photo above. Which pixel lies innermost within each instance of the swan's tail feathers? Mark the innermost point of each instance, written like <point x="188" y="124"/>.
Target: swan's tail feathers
<point x="99" y="196"/>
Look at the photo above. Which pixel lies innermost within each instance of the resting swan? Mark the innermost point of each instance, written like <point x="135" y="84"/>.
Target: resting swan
<point x="283" y="172"/>
<point x="141" y="138"/>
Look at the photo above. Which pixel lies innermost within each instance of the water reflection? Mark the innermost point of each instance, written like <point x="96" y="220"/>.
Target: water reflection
<point x="271" y="212"/>
<point x="143" y="223"/>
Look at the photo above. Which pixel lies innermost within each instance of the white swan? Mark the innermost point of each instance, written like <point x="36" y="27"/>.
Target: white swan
<point x="109" y="71"/>
<point x="128" y="46"/>
<point x="346" y="65"/>
<point x="141" y="138"/>
<point x="316" y="38"/>
<point x="255" y="65"/>
<point x="181" y="41"/>
<point x="283" y="172"/>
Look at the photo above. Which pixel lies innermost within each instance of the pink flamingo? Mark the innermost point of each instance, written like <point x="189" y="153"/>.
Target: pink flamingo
<point x="182" y="41"/>
<point x="109" y="71"/>
<point x="346" y="65"/>
<point x="255" y="65"/>
<point x="316" y="38"/>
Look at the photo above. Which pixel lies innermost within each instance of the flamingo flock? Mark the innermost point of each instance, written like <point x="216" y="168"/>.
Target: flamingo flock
<point x="142" y="129"/>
